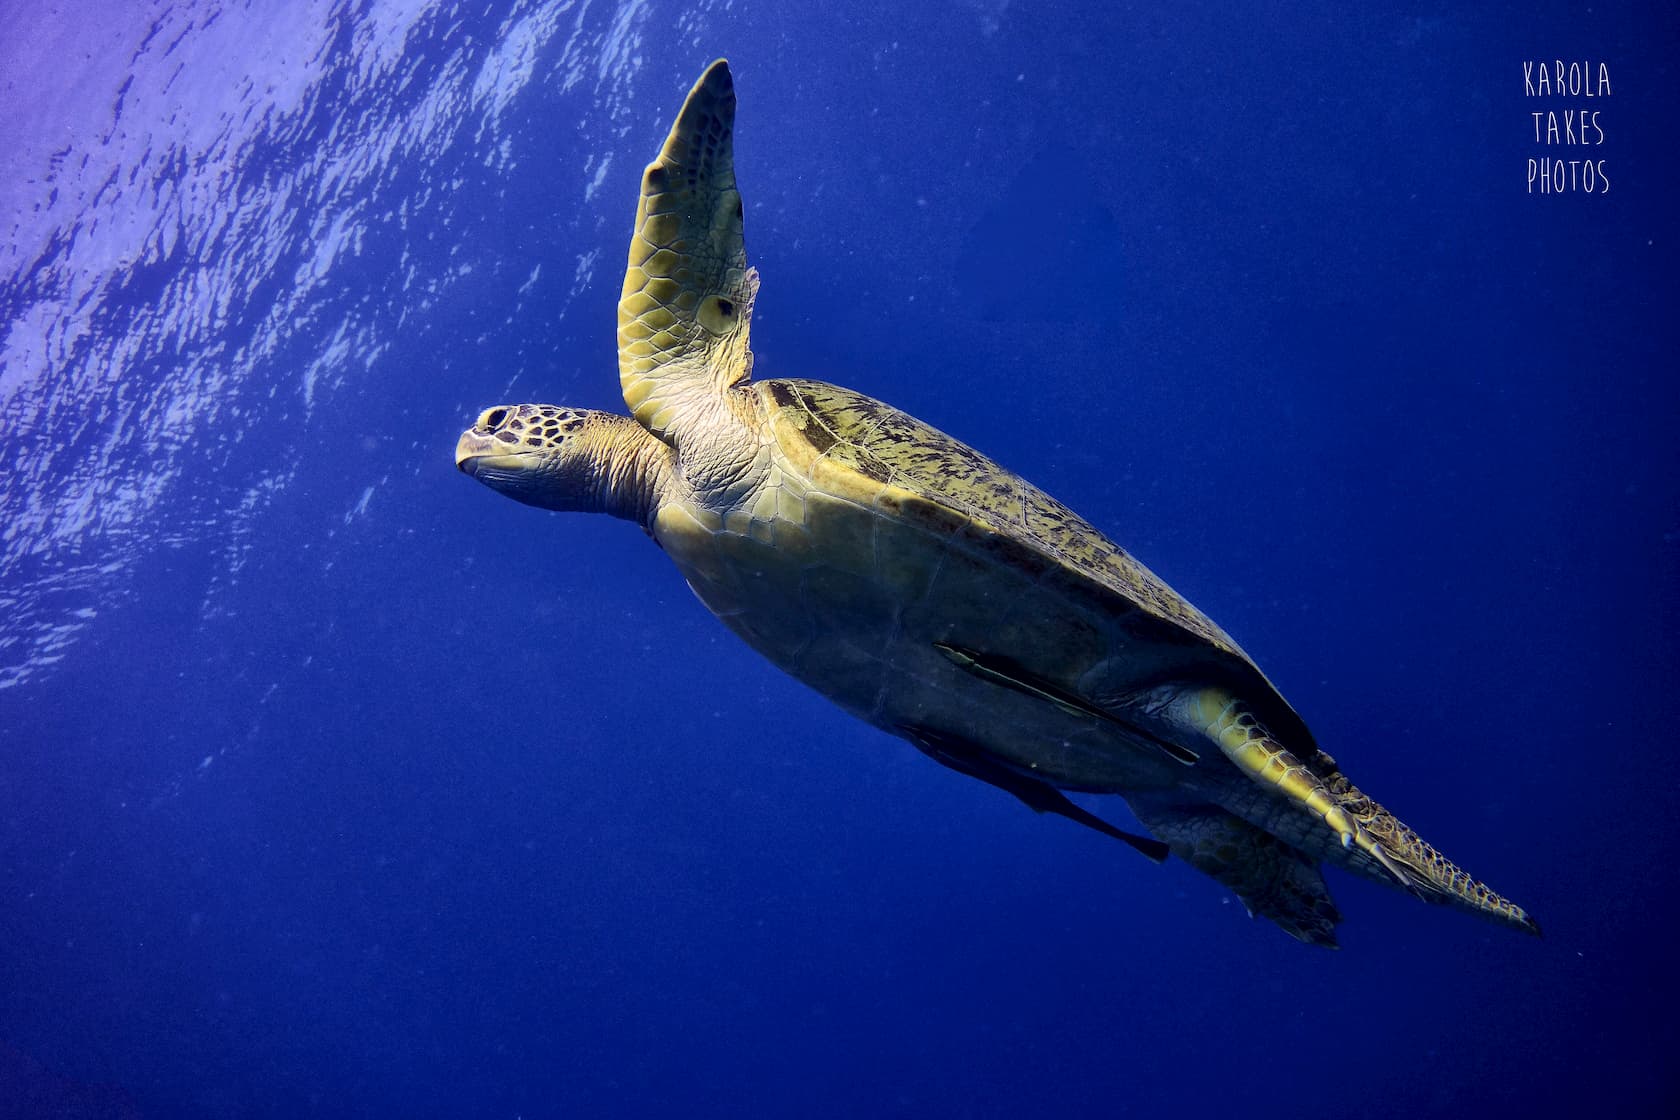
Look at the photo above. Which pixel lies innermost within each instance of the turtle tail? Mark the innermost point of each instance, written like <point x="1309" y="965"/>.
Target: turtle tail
<point x="1434" y="877"/>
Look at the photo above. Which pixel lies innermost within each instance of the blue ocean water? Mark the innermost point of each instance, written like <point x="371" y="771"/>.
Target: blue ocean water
<point x="333" y="785"/>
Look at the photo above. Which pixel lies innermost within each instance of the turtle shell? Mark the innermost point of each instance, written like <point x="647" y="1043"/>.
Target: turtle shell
<point x="859" y="449"/>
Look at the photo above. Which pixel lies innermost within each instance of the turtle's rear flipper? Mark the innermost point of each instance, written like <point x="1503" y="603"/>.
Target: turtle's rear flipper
<point x="1226" y="720"/>
<point x="967" y="758"/>
<point x="1369" y="839"/>
<point x="1273" y="879"/>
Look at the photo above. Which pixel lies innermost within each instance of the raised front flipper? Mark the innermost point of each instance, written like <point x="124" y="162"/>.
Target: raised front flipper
<point x="1273" y="879"/>
<point x="969" y="758"/>
<point x="687" y="299"/>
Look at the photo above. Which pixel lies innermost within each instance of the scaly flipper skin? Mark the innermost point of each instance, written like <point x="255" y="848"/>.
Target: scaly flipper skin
<point x="1435" y="878"/>
<point x="1273" y="879"/>
<point x="684" y="311"/>
<point x="1227" y="721"/>
<point x="1328" y="801"/>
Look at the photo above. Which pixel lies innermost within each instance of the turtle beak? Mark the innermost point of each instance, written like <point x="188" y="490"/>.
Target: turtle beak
<point x="472" y="447"/>
<point x="508" y="469"/>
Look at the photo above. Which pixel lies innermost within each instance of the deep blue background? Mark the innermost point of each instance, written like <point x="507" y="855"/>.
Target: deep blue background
<point x="500" y="823"/>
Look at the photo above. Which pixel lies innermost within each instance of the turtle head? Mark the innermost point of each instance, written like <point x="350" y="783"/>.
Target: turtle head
<point x="566" y="459"/>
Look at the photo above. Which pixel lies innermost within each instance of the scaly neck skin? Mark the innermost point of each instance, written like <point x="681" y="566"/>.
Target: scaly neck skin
<point x="631" y="467"/>
<point x="715" y="444"/>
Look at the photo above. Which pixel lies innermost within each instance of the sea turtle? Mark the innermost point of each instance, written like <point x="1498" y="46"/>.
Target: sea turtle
<point x="927" y="590"/>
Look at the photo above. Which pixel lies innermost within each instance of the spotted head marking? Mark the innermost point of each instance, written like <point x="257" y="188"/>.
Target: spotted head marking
<point x="541" y="454"/>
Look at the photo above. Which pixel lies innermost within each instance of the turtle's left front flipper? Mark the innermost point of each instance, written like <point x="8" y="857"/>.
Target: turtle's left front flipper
<point x="968" y="758"/>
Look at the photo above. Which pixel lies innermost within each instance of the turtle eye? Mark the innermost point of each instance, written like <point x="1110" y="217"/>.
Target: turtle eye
<point x="717" y="314"/>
